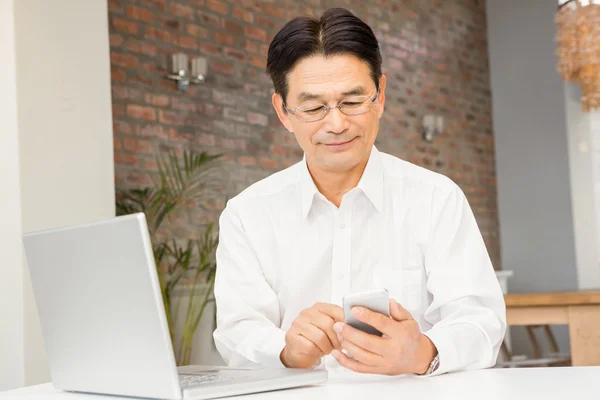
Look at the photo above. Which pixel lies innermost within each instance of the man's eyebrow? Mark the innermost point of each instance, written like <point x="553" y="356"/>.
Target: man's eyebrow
<point x="304" y="96"/>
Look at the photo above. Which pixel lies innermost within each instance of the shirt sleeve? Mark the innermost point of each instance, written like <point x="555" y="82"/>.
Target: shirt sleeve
<point x="467" y="313"/>
<point x="248" y="316"/>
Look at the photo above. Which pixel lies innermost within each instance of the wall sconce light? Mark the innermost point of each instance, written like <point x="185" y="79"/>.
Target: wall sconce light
<point x="433" y="125"/>
<point x="183" y="75"/>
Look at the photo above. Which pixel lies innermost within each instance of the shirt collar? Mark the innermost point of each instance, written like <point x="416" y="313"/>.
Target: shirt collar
<point x="371" y="183"/>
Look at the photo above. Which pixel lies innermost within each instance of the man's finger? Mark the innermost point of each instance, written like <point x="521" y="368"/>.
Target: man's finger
<point x="362" y="355"/>
<point x="355" y="365"/>
<point x="398" y="312"/>
<point x="371" y="343"/>
<point x="382" y="323"/>
<point x="334" y="311"/>
<point x="306" y="347"/>
<point x="325" y="323"/>
<point x="318" y="337"/>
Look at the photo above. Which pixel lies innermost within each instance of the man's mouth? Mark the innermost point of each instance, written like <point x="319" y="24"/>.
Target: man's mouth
<point x="339" y="143"/>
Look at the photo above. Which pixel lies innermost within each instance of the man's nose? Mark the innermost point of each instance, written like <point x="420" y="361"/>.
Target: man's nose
<point x="336" y="120"/>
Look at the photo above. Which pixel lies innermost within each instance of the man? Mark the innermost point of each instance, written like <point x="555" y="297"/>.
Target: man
<point x="349" y="218"/>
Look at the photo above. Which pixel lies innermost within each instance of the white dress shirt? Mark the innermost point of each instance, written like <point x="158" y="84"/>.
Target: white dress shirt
<point x="283" y="246"/>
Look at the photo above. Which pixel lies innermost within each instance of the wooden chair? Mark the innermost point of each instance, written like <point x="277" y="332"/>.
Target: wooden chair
<point x="552" y="359"/>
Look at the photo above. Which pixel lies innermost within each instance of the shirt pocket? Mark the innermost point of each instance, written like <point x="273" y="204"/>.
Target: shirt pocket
<point x="405" y="285"/>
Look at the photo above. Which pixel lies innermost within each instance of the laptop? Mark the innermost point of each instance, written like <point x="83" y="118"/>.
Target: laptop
<point x="104" y="324"/>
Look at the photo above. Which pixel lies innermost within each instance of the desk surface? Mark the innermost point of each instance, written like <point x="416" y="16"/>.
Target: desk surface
<point x="491" y="384"/>
<point x="552" y="299"/>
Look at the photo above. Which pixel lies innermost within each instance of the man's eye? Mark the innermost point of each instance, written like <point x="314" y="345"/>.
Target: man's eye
<point x="352" y="104"/>
<point x="313" y="110"/>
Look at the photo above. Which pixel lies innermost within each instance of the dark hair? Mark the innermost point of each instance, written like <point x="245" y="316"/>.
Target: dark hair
<point x="337" y="32"/>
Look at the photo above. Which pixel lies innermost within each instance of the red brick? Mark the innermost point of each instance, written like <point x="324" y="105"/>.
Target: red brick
<point x="279" y="150"/>
<point x="233" y="27"/>
<point x="210" y="110"/>
<point x="243" y="15"/>
<point x="210" y="49"/>
<point x="277" y="12"/>
<point x="141" y="112"/>
<point x="206" y="139"/>
<point x="137" y="145"/>
<point x="258" y="61"/>
<point x="233" y="53"/>
<point x="182" y="11"/>
<point x="171" y="118"/>
<point x="150" y="165"/>
<point x="265" y="22"/>
<point x="268" y="163"/>
<point x="157" y="34"/>
<point x="224" y="38"/>
<point x="180" y="137"/>
<point x="124" y="26"/>
<point x="222" y="67"/>
<point x="182" y="104"/>
<point x="197" y="31"/>
<point x="247" y="161"/>
<point x="118" y="110"/>
<point x="140" y="14"/>
<point x="258" y="119"/>
<point x="124" y="60"/>
<point x="158" y="100"/>
<point x="119" y="92"/>
<point x="252" y="47"/>
<point x="125" y="128"/>
<point x="116" y="144"/>
<point x="141" y="47"/>
<point x="209" y="19"/>
<point x="115" y="7"/>
<point x="154" y="131"/>
<point x="139" y="179"/>
<point x="187" y="42"/>
<point x="116" y="40"/>
<point x="217" y="6"/>
<point x="160" y="4"/>
<point x="126" y="159"/>
<point x="255" y="33"/>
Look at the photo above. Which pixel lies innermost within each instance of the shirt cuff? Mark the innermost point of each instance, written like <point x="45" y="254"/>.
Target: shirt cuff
<point x="270" y="351"/>
<point x="442" y="339"/>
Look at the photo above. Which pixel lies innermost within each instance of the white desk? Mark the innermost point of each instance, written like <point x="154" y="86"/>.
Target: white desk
<point x="503" y="384"/>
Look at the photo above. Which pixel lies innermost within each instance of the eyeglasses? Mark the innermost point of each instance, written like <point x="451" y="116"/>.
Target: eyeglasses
<point x="314" y="112"/>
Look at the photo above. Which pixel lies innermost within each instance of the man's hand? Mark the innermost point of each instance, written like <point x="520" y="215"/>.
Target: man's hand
<point x="311" y="336"/>
<point x="402" y="349"/>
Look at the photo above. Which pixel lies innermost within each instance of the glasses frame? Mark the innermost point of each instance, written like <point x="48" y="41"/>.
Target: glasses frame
<point x="328" y="108"/>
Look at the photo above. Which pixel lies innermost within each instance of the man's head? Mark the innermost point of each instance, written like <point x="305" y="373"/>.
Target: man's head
<point x="317" y="63"/>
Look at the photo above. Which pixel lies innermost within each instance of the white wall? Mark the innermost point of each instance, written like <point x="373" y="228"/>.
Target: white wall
<point x="584" y="157"/>
<point x="65" y="154"/>
<point x="11" y="271"/>
<point x="532" y="153"/>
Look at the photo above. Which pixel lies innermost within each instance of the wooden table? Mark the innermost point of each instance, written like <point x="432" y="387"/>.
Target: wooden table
<point x="579" y="310"/>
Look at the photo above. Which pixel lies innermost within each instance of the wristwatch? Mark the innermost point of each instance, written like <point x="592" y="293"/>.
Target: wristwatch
<point x="433" y="366"/>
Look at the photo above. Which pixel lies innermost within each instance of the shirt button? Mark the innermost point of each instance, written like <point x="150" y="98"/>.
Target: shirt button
<point x="342" y="226"/>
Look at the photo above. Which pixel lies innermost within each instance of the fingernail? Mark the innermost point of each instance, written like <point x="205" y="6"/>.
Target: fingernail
<point x="338" y="327"/>
<point x="357" y="311"/>
<point x="340" y="338"/>
<point x="335" y="354"/>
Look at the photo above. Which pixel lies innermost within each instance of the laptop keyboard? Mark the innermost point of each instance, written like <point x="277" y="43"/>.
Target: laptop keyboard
<point x="188" y="381"/>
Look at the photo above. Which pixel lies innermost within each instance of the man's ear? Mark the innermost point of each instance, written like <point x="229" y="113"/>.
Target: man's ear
<point x="381" y="98"/>
<point x="283" y="115"/>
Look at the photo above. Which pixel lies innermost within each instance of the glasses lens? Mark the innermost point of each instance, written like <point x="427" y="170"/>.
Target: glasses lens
<point x="309" y="113"/>
<point x="356" y="105"/>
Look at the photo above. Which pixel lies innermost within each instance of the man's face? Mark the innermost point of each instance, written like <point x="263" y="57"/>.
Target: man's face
<point x="338" y="142"/>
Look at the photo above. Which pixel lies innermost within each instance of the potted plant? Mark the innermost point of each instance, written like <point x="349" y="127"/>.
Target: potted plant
<point x="183" y="264"/>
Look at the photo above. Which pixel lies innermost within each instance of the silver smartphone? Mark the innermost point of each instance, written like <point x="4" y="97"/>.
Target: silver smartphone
<point x="375" y="300"/>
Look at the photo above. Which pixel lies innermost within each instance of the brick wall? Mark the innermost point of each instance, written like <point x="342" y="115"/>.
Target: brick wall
<point x="435" y="57"/>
